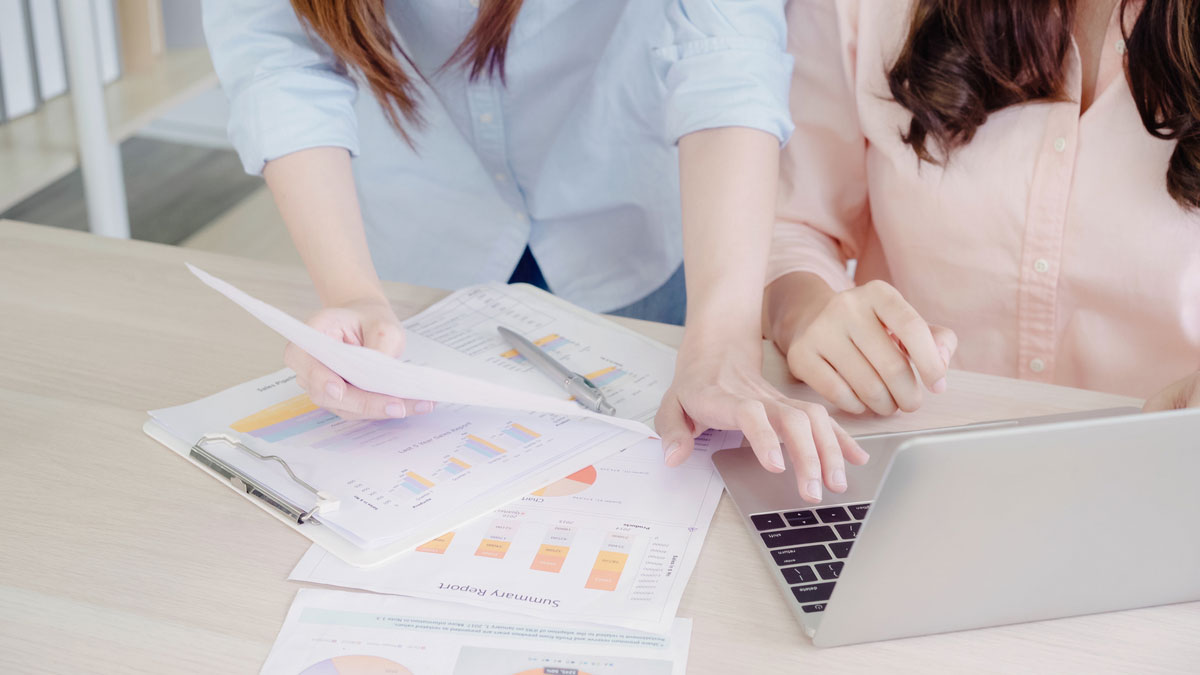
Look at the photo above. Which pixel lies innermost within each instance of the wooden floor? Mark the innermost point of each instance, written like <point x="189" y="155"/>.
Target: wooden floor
<point x="174" y="191"/>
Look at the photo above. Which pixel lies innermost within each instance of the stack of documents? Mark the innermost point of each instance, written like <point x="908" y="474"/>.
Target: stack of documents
<point x="508" y="496"/>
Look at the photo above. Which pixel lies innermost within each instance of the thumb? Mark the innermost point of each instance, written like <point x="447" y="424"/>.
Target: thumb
<point x="676" y="429"/>
<point x="946" y="341"/>
<point x="384" y="336"/>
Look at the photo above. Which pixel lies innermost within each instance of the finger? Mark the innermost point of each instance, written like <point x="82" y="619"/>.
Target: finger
<point x="858" y="372"/>
<point x="752" y="421"/>
<point x="677" y="431"/>
<point x="809" y="367"/>
<point x="371" y="405"/>
<point x="851" y="450"/>
<point x="894" y="312"/>
<point x="384" y="336"/>
<point x="947" y="342"/>
<point x="795" y="428"/>
<point x="1178" y="395"/>
<point x="872" y="339"/>
<point x="829" y="449"/>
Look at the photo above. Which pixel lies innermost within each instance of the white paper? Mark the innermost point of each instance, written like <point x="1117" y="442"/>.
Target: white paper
<point x="613" y="544"/>
<point x="371" y="370"/>
<point x="339" y="633"/>
<point x="396" y="480"/>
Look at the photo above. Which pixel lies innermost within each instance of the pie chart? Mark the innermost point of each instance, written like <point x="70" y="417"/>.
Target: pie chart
<point x="356" y="664"/>
<point x="571" y="485"/>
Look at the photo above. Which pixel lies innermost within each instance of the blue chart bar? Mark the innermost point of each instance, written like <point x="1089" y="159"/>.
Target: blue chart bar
<point x="483" y="447"/>
<point x="415" y="483"/>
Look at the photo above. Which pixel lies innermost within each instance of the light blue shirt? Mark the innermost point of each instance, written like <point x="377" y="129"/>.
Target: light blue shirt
<point x="574" y="156"/>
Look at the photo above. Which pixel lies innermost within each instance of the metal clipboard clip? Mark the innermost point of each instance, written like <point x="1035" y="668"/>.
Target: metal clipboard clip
<point x="325" y="502"/>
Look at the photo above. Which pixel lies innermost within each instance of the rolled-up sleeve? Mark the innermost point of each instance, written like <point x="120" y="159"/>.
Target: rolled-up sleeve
<point x="823" y="216"/>
<point x="286" y="91"/>
<point x="728" y="66"/>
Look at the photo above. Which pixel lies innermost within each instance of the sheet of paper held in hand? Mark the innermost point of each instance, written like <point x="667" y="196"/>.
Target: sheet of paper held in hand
<point x="334" y="632"/>
<point x="411" y="480"/>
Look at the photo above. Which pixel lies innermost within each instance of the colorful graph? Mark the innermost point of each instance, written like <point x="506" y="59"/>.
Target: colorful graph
<point x="521" y="433"/>
<point x="553" y="552"/>
<point x="438" y="545"/>
<point x="498" y="539"/>
<point x="606" y="376"/>
<point x="455" y="466"/>
<point x="548" y="342"/>
<point x="483" y="447"/>
<point x="356" y="664"/>
<point x="284" y="420"/>
<point x="610" y="562"/>
<point x="415" y="483"/>
<point x="571" y="485"/>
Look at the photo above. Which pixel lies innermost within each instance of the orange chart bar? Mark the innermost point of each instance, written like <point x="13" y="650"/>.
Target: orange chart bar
<point x="553" y="552"/>
<point x="606" y="571"/>
<point x="492" y="548"/>
<point x="438" y="545"/>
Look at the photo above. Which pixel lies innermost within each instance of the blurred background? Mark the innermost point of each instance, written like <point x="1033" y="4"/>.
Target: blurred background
<point x="111" y="121"/>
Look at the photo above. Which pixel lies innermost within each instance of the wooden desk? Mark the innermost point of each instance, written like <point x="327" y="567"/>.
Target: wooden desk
<point x="115" y="556"/>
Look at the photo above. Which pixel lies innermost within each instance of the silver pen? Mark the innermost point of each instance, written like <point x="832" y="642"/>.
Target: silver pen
<point x="586" y="393"/>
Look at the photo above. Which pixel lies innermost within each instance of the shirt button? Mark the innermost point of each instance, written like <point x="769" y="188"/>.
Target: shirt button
<point x="523" y="217"/>
<point x="1041" y="265"/>
<point x="474" y="3"/>
<point x="1120" y="47"/>
<point x="500" y="178"/>
<point x="1037" y="365"/>
<point x="1060" y="144"/>
<point x="486" y="118"/>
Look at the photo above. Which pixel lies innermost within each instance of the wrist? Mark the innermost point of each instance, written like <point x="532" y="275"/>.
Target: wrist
<point x="791" y="302"/>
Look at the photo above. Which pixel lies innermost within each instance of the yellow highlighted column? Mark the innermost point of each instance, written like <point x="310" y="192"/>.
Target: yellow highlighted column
<point x="438" y="545"/>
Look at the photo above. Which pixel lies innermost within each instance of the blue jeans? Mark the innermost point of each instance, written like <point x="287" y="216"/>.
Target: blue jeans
<point x="667" y="304"/>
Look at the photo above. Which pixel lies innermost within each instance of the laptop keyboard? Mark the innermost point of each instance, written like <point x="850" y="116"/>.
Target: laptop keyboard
<point x="808" y="547"/>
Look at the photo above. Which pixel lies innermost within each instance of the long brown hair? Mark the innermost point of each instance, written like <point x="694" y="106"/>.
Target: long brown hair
<point x="964" y="59"/>
<point x="358" y="33"/>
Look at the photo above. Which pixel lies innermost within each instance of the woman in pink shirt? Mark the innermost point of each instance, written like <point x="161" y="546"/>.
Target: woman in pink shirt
<point x="1019" y="183"/>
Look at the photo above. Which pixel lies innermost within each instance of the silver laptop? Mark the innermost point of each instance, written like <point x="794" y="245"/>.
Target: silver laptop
<point x="990" y="524"/>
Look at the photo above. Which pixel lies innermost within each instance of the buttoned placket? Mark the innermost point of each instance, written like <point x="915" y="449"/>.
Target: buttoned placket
<point x="484" y="101"/>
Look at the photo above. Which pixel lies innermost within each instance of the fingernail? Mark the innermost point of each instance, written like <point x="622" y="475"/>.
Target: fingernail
<point x="423" y="407"/>
<point x="814" y="490"/>
<point x="395" y="410"/>
<point x="945" y="352"/>
<point x="776" y="459"/>
<point x="670" y="451"/>
<point x="838" y="478"/>
<point x="334" y="391"/>
<point x="939" y="387"/>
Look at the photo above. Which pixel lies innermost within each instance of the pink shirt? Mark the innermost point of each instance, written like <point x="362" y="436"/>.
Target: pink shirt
<point x="1049" y="243"/>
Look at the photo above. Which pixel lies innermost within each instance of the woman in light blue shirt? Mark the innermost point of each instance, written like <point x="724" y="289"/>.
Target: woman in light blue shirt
<point x="540" y="141"/>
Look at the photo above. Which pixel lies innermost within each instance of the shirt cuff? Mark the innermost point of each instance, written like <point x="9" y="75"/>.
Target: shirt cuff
<point x="287" y="112"/>
<point x="799" y="248"/>
<point x="726" y="82"/>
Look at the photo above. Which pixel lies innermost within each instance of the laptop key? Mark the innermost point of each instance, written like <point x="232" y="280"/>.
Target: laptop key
<point x="803" y="574"/>
<point x="800" y="554"/>
<point x="848" y="530"/>
<point x="798" y="537"/>
<point x="814" y="592"/>
<point x="800" y="518"/>
<point x="768" y="521"/>
<point x="833" y="514"/>
<point x="859" y="511"/>
<point x="819" y="607"/>
<point x="830" y="570"/>
<point x="841" y="549"/>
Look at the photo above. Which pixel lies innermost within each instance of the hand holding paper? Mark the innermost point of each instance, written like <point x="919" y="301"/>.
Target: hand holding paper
<point x="374" y="371"/>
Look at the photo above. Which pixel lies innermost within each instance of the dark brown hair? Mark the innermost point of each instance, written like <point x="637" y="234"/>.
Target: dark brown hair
<point x="358" y="33"/>
<point x="964" y="59"/>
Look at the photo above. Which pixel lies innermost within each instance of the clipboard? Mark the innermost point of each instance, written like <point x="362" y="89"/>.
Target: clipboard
<point x="305" y="518"/>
